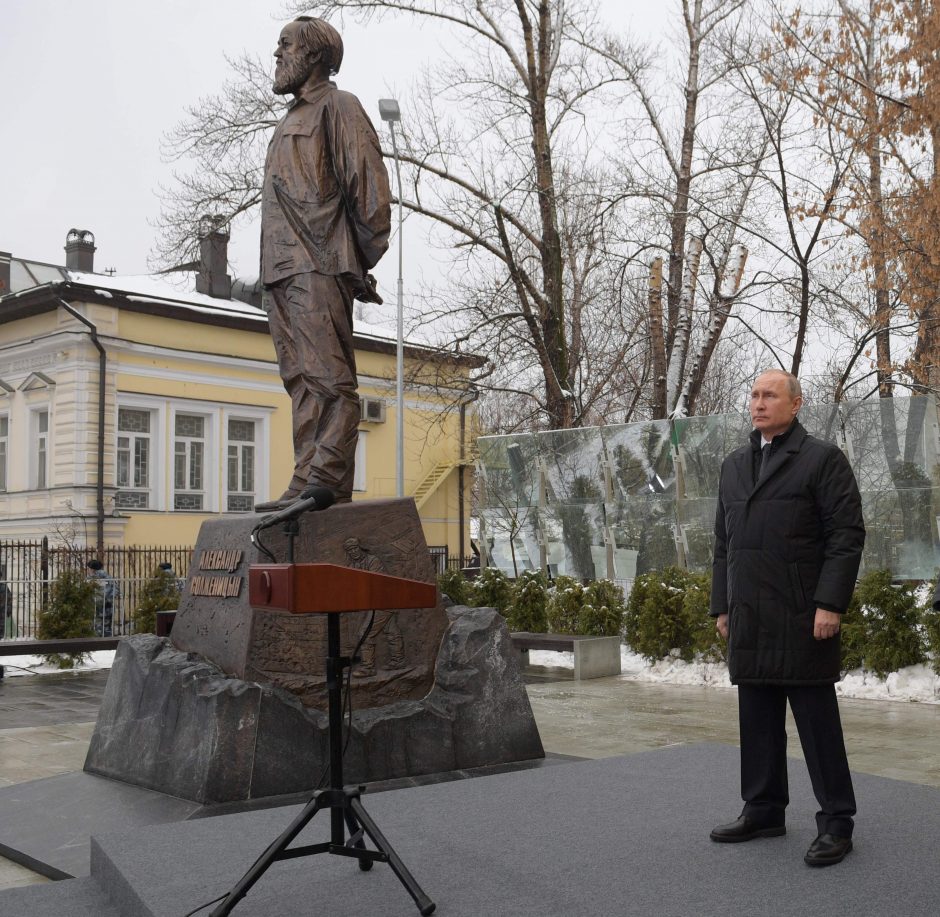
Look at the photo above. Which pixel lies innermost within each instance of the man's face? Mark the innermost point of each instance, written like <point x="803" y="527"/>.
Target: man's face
<point x="772" y="406"/>
<point x="294" y="63"/>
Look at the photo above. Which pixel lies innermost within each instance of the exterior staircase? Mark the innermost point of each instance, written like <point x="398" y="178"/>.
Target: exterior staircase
<point x="436" y="476"/>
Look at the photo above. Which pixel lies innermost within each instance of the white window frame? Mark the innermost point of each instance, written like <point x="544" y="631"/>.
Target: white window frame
<point x="158" y="412"/>
<point x="5" y="454"/>
<point x="40" y="473"/>
<point x="360" y="480"/>
<point x="163" y="444"/>
<point x="150" y="437"/>
<point x="260" y="420"/>
<point x="210" y="487"/>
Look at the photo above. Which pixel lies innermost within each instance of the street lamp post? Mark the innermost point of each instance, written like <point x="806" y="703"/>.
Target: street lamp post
<point x="390" y="112"/>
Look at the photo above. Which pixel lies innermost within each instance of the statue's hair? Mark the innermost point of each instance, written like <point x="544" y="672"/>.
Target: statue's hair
<point x="793" y="384"/>
<point x="318" y="35"/>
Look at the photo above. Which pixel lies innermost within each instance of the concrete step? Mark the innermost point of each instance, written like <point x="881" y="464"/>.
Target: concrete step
<point x="68" y="898"/>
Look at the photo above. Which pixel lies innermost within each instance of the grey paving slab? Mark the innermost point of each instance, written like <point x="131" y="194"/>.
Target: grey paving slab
<point x="625" y="835"/>
<point x="46" y="824"/>
<point x="617" y="716"/>
<point x="75" y="898"/>
<point x="36" y="700"/>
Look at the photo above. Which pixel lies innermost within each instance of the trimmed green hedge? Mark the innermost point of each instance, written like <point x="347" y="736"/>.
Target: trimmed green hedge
<point x="69" y="613"/>
<point x="160" y="593"/>
<point x="531" y="603"/>
<point x="668" y="612"/>
<point x="886" y="628"/>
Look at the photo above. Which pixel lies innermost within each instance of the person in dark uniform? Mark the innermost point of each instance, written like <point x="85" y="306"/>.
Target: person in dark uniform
<point x="106" y="592"/>
<point x="6" y="605"/>
<point x="788" y="544"/>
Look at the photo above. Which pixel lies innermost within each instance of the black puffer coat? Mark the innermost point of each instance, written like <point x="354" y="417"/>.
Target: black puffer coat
<point x="784" y="547"/>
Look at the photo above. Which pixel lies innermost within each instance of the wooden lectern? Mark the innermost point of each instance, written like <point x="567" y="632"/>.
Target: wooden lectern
<point x="304" y="589"/>
<point x="332" y="590"/>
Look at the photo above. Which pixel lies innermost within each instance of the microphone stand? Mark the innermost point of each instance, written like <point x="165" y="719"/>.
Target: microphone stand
<point x="344" y="803"/>
<point x="291" y="531"/>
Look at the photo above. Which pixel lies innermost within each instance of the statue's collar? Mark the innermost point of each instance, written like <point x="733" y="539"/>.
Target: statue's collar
<point x="313" y="93"/>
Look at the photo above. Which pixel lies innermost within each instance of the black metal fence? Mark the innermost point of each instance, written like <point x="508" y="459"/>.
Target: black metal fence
<point x="29" y="568"/>
<point x="444" y="561"/>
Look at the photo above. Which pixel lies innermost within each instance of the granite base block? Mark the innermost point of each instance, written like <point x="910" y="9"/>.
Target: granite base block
<point x="174" y="722"/>
<point x="596" y="657"/>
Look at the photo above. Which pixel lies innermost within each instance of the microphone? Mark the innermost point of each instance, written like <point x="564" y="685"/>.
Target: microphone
<point x="314" y="498"/>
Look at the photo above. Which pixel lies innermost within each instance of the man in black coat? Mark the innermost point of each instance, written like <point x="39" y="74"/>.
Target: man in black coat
<point x="788" y="544"/>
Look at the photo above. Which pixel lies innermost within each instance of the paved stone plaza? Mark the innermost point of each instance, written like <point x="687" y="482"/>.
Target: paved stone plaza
<point x="46" y="723"/>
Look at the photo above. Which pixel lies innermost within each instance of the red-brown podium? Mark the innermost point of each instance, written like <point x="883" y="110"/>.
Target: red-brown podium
<point x="332" y="590"/>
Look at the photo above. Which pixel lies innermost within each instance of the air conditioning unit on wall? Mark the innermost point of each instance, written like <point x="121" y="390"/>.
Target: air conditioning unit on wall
<point x="373" y="410"/>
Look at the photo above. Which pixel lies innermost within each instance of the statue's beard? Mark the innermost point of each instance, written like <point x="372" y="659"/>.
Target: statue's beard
<point x="290" y="76"/>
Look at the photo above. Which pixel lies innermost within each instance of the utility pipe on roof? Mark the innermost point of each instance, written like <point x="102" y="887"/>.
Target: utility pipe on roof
<point x="102" y="393"/>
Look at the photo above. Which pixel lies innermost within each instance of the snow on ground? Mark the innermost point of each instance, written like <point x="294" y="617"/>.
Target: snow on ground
<point x="33" y="665"/>
<point x="917" y="683"/>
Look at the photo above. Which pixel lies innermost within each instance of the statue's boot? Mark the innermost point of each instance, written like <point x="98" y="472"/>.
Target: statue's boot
<point x="296" y="487"/>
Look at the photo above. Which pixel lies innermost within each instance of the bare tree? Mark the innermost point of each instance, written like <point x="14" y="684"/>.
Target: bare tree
<point x="507" y="152"/>
<point x="224" y="137"/>
<point x="699" y="194"/>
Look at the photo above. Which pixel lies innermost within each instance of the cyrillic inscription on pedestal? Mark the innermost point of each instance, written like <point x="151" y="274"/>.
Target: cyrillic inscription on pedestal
<point x="398" y="653"/>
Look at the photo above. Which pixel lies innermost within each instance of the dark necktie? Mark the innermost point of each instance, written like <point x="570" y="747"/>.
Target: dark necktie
<point x="764" y="459"/>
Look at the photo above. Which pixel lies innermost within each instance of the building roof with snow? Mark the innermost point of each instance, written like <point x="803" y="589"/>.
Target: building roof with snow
<point x="29" y="287"/>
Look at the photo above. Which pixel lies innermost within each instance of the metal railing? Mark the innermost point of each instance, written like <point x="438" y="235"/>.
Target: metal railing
<point x="29" y="568"/>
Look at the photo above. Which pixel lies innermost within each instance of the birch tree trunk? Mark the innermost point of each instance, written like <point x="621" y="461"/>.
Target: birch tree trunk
<point x="657" y="338"/>
<point x="683" y="334"/>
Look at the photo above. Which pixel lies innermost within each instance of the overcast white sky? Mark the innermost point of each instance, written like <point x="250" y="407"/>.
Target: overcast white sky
<point x="90" y="87"/>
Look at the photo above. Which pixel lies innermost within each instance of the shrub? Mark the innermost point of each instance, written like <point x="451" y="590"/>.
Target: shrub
<point x="455" y="586"/>
<point x="657" y="619"/>
<point x="491" y="590"/>
<point x="159" y="593"/>
<point x="707" y="643"/>
<point x="601" y="614"/>
<point x="854" y="637"/>
<point x="564" y="605"/>
<point x="70" y="612"/>
<point x="527" y="611"/>
<point x="931" y="622"/>
<point x="882" y="626"/>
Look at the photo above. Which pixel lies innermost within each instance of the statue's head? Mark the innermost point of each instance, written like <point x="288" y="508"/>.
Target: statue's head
<point x="306" y="46"/>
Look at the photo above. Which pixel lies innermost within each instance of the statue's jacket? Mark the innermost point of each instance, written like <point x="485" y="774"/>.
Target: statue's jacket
<point x="325" y="204"/>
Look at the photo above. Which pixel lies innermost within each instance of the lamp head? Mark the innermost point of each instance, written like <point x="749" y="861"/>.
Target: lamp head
<point x="389" y="110"/>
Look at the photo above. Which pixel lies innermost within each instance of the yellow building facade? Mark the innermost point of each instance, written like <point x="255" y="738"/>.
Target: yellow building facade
<point x="194" y="418"/>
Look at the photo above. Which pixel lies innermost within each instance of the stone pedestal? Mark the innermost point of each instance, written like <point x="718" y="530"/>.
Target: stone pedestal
<point x="288" y="651"/>
<point x="177" y="723"/>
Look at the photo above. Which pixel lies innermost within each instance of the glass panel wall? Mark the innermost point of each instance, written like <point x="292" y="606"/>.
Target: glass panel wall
<point x="626" y="499"/>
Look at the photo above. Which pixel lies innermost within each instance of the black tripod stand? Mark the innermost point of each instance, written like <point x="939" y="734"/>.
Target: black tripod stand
<point x="344" y="805"/>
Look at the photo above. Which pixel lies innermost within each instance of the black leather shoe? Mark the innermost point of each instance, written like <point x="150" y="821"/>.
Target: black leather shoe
<point x="827" y="850"/>
<point x="744" y="830"/>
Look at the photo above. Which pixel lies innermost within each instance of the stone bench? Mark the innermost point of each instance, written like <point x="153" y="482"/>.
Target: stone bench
<point x="48" y="647"/>
<point x="594" y="657"/>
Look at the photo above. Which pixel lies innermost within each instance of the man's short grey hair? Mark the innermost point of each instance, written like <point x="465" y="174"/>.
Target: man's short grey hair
<point x="793" y="384"/>
<point x="319" y="35"/>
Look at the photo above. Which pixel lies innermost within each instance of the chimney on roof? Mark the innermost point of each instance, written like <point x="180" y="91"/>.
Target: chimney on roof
<point x="212" y="278"/>
<point x="80" y="250"/>
<point x="5" y="273"/>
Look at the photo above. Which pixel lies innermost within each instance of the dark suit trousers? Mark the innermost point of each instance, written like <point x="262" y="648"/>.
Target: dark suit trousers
<point x="762" y="711"/>
<point x="310" y="318"/>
